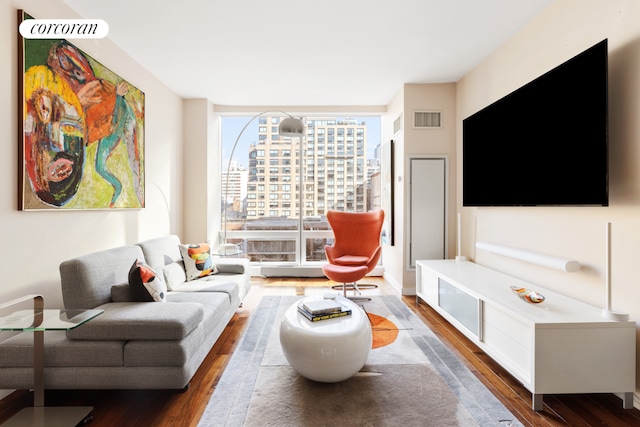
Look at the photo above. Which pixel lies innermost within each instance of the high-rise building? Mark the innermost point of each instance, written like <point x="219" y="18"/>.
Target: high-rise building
<point x="236" y="187"/>
<point x="334" y="169"/>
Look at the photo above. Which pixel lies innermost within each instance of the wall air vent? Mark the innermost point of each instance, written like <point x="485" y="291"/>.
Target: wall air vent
<point x="397" y="124"/>
<point x="427" y="119"/>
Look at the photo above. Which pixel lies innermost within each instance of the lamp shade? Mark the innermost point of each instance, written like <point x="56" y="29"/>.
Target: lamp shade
<point x="291" y="127"/>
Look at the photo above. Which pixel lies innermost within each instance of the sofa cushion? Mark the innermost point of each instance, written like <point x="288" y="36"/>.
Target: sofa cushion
<point x="161" y="251"/>
<point x="233" y="266"/>
<point x="164" y="353"/>
<point x="238" y="271"/>
<point x="17" y="351"/>
<point x="86" y="280"/>
<point x="121" y="293"/>
<point x="198" y="261"/>
<point x="176" y="353"/>
<point x="141" y="321"/>
<point x="210" y="293"/>
<point x="145" y="284"/>
<point x="217" y="283"/>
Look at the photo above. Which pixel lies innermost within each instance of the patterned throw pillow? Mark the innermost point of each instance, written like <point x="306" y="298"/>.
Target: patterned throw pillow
<point x="197" y="260"/>
<point x="145" y="284"/>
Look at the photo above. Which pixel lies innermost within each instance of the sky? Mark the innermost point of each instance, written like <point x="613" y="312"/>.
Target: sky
<point x="231" y="127"/>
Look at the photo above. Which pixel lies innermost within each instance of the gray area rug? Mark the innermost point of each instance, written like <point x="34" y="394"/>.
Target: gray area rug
<point x="414" y="381"/>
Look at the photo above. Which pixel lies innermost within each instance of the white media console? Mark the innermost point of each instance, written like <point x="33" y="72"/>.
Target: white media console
<point x="559" y="346"/>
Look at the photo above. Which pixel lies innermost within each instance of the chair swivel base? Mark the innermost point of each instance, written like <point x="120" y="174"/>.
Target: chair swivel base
<point x="347" y="275"/>
<point x="351" y="287"/>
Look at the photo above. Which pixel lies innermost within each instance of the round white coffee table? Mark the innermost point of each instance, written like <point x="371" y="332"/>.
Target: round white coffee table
<point x="329" y="350"/>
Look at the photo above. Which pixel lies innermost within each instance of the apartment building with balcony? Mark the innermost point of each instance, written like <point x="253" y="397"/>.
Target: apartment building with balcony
<point x="334" y="169"/>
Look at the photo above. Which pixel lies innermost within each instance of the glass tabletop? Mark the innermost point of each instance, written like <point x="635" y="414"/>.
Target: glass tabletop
<point x="46" y="320"/>
<point x="234" y="252"/>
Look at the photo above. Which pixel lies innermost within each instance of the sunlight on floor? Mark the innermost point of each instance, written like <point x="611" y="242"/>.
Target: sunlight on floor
<point x="304" y="286"/>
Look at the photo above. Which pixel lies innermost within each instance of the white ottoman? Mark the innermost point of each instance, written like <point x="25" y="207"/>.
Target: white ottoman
<point x="328" y="350"/>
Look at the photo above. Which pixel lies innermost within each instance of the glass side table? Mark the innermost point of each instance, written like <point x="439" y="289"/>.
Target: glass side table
<point x="228" y="254"/>
<point x="227" y="250"/>
<point x="38" y="321"/>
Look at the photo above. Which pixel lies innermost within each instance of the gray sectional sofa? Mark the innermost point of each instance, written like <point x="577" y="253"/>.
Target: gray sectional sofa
<point x="132" y="345"/>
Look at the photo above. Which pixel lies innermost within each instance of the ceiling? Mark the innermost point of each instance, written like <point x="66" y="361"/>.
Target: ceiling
<point x="307" y="53"/>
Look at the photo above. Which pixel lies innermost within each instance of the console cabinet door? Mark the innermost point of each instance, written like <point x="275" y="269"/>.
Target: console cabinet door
<point x="427" y="285"/>
<point x="509" y="340"/>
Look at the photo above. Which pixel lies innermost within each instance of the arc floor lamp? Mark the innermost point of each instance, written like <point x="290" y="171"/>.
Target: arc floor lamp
<point x="288" y="127"/>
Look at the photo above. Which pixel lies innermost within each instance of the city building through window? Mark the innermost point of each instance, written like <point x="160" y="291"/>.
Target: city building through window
<point x="279" y="189"/>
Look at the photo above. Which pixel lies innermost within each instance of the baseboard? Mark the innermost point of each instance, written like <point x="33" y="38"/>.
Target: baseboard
<point x="299" y="271"/>
<point x="292" y="271"/>
<point x="397" y="286"/>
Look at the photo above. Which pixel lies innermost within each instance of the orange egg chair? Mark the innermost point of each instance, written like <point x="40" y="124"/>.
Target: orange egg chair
<point x="356" y="245"/>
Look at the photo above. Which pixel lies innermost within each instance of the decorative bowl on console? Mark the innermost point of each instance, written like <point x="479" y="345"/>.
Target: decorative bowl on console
<point x="528" y="295"/>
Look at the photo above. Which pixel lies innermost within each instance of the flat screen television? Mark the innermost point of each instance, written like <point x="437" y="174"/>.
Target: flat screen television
<point x="546" y="143"/>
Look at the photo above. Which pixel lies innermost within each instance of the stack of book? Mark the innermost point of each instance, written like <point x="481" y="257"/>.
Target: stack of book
<point x="316" y="310"/>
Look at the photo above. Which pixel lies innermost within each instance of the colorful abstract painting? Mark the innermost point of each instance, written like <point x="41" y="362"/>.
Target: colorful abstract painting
<point x="81" y="131"/>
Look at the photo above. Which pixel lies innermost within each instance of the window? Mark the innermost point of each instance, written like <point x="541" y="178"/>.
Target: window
<point x="323" y="170"/>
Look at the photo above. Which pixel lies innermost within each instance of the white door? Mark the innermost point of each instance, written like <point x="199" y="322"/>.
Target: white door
<point x="427" y="208"/>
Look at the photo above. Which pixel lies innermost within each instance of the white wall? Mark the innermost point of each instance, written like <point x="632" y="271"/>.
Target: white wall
<point x="35" y="242"/>
<point x="566" y="28"/>
<point x="200" y="169"/>
<point x="431" y="97"/>
<point x="409" y="141"/>
<point x="393" y="256"/>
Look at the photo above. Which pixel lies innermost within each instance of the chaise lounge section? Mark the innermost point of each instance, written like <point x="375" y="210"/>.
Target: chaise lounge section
<point x="133" y="344"/>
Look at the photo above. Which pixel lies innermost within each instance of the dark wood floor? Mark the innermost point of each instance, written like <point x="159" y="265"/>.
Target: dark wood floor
<point x="124" y="408"/>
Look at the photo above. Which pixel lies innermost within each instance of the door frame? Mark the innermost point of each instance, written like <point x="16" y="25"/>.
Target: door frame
<point x="409" y="158"/>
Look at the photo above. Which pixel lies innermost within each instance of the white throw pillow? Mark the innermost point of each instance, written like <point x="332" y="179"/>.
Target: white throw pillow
<point x="174" y="275"/>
